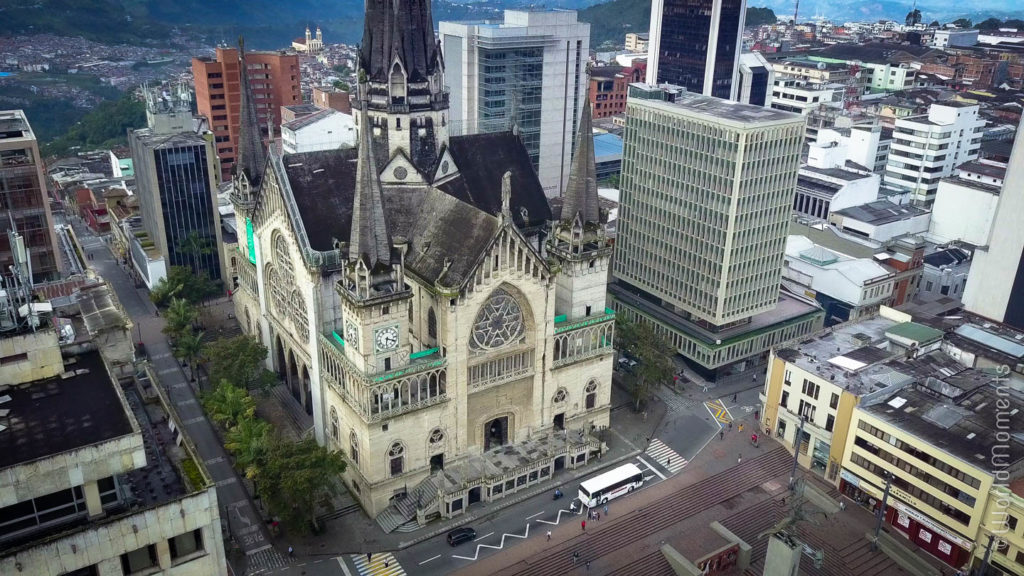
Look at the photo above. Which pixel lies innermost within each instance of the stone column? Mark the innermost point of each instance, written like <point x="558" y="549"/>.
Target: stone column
<point x="92" y="499"/>
<point x="163" y="554"/>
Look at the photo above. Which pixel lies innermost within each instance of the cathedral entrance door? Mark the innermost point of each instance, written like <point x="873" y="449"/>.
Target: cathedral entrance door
<point x="496" y="433"/>
<point x="474" y="495"/>
<point x="560" y="421"/>
<point x="436" y="462"/>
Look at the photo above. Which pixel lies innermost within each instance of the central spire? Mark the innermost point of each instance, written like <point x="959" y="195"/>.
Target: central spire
<point x="251" y="155"/>
<point x="369" y="239"/>
<point x="401" y="30"/>
<point x="581" y="192"/>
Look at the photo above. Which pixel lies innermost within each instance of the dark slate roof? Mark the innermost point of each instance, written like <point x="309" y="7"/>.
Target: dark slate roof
<point x="323" y="183"/>
<point x="947" y="257"/>
<point x="457" y="220"/>
<point x="57" y="415"/>
<point x="580" y="195"/>
<point x="482" y="160"/>
<point x="404" y="27"/>
<point x="252" y="157"/>
<point x="448" y="230"/>
<point x="877" y="52"/>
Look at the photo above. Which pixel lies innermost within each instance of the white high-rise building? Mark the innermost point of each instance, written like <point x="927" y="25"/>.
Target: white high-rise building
<point x="527" y="71"/>
<point x="927" y="148"/>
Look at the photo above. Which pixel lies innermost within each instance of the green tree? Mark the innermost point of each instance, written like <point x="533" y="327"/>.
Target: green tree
<point x="342" y="86"/>
<point x="962" y="23"/>
<point x="298" y="479"/>
<point x="195" y="246"/>
<point x="106" y="126"/>
<point x="189" y="347"/>
<point x="760" y="16"/>
<point x="913" y="17"/>
<point x="989" y="24"/>
<point x="239" y="360"/>
<point x="934" y="24"/>
<point x="179" y="318"/>
<point x="181" y="282"/>
<point x="249" y="441"/>
<point x="228" y="405"/>
<point x="654" y="356"/>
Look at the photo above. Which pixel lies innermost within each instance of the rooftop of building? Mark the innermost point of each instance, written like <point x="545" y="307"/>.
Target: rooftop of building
<point x="70" y="411"/>
<point x="303" y="109"/>
<point x="605" y="72"/>
<point x="989" y="169"/>
<point x="309" y="119"/>
<point x="825" y="66"/>
<point x="152" y="140"/>
<point x="859" y="271"/>
<point x="974" y="184"/>
<point x="14" y="125"/>
<point x="948" y="257"/>
<point x="838" y="173"/>
<point x="881" y="212"/>
<point x="607" y="147"/>
<point x="701" y="106"/>
<point x="873" y="52"/>
<point x="964" y="414"/>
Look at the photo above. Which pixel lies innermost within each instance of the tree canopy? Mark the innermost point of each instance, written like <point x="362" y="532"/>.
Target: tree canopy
<point x="105" y="126"/>
<point x="180" y="282"/>
<point x="759" y="16"/>
<point x="962" y="23"/>
<point x="654" y="356"/>
<point x="239" y="360"/>
<point x="297" y="479"/>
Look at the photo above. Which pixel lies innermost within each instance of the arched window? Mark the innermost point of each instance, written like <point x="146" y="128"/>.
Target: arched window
<point x="353" y="447"/>
<point x="299" y="317"/>
<point x="591" y="394"/>
<point x="436" y="439"/>
<point x="283" y="259"/>
<point x="396" y="458"/>
<point x="431" y="323"/>
<point x="335" y="426"/>
<point x="560" y="396"/>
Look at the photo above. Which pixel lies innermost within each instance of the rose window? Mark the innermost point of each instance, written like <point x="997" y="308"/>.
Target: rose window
<point x="499" y="322"/>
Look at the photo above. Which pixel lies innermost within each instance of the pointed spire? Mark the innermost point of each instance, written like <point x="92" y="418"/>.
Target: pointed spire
<point x="402" y="29"/>
<point x="252" y="156"/>
<point x="370" y="240"/>
<point x="581" y="193"/>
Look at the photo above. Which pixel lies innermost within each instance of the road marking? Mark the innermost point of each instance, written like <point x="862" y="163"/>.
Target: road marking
<point x="718" y="411"/>
<point x="484" y="536"/>
<point x="258" y="550"/>
<point x="558" y="518"/>
<point x="188" y="402"/>
<point x="216" y="460"/>
<point x="429" y="560"/>
<point x="227" y="481"/>
<point x="166" y="371"/>
<point x="161" y="356"/>
<point x="535" y="515"/>
<point x="666" y="456"/>
<point x="382" y="564"/>
<point x="179" y="385"/>
<point x="498" y="547"/>
<point x="195" y="420"/>
<point x="652" y="468"/>
<point x="341" y="562"/>
<point x="237" y="504"/>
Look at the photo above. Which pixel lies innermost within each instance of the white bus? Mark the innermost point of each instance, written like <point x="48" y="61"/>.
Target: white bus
<point x="611" y="484"/>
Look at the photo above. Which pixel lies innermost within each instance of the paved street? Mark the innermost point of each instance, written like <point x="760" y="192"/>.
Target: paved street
<point x="245" y="523"/>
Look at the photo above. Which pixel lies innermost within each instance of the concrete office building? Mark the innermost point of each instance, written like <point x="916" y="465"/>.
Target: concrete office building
<point x="24" y="200"/>
<point x="965" y="204"/>
<point x="275" y="81"/>
<point x="756" y="78"/>
<point x="526" y="71"/>
<point x="995" y="287"/>
<point x="91" y="475"/>
<point x="696" y="44"/>
<point x="707" y="189"/>
<point x="866" y="145"/>
<point x="928" y="148"/>
<point x="176" y="183"/>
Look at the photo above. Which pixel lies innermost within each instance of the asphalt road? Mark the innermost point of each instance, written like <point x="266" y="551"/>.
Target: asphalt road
<point x="245" y="524"/>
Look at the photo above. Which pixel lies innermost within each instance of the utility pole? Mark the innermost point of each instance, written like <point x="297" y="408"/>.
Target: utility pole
<point x="988" y="554"/>
<point x="797" y="443"/>
<point x="881" y="510"/>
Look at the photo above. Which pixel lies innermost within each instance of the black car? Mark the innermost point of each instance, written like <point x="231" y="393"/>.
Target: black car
<point x="460" y="535"/>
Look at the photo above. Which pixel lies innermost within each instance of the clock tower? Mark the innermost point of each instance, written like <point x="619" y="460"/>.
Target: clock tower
<point x="375" y="298"/>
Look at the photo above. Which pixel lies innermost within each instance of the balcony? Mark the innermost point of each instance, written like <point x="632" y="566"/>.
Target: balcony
<point x="380" y="396"/>
<point x="583" y="339"/>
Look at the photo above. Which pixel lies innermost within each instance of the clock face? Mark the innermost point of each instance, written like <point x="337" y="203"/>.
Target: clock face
<point x="386" y="339"/>
<point x="351" y="334"/>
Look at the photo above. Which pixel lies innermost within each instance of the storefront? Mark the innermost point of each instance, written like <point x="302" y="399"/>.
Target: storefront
<point x="915" y="526"/>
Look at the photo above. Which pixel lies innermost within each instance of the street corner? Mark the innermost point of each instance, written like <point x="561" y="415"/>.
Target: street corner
<point x="718" y="411"/>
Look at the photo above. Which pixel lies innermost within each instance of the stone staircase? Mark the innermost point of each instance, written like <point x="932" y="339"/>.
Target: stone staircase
<point x="400" y="514"/>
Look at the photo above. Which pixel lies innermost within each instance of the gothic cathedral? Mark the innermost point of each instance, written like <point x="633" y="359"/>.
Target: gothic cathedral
<point x="444" y="329"/>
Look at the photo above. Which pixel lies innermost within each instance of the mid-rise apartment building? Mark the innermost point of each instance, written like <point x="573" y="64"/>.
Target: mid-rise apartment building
<point x="696" y="44"/>
<point x="865" y="145"/>
<point x="637" y="42"/>
<point x="1003" y="523"/>
<point x="965" y="204"/>
<point x="707" y="189"/>
<point x="24" y="200"/>
<point x="608" y="90"/>
<point x="527" y="71"/>
<point x="928" y="148"/>
<point x="275" y="82"/>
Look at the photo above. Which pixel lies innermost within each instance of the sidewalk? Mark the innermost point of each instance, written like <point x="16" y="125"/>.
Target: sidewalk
<point x="357" y="533"/>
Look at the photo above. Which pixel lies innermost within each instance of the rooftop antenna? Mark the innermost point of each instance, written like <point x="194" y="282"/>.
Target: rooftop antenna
<point x="796" y="10"/>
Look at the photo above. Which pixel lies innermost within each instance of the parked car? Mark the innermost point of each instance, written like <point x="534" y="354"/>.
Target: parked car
<point x="460" y="535"/>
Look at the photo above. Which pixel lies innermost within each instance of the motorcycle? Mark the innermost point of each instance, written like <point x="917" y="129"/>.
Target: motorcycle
<point x="558" y="494"/>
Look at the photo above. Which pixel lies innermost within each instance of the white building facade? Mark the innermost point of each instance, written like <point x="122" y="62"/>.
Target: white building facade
<point x="965" y="205"/>
<point x="324" y="130"/>
<point x="928" y="148"/>
<point x="526" y="71"/>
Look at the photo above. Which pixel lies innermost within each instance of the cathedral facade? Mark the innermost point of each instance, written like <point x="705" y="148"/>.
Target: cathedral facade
<point x="446" y="331"/>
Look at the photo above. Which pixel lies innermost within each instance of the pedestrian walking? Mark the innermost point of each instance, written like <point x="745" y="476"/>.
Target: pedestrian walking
<point x="598" y="515"/>
<point x="739" y="459"/>
<point x="741" y="426"/>
<point x="721" y="434"/>
<point x="588" y="565"/>
<point x="291" y="551"/>
<point x="605" y="509"/>
<point x="734" y="398"/>
<point x="575" y="557"/>
<point x="386" y="563"/>
<point x="730" y="424"/>
<point x="369" y="556"/>
<point x="842" y="505"/>
<point x="668" y="462"/>
<point x="583" y="525"/>
<point x="549" y="535"/>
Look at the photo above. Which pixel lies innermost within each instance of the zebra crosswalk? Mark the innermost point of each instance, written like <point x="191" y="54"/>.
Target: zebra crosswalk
<point x="264" y="560"/>
<point x="381" y="564"/>
<point x="666" y="457"/>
